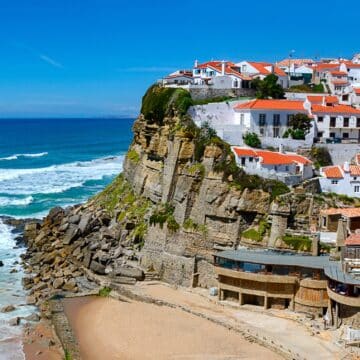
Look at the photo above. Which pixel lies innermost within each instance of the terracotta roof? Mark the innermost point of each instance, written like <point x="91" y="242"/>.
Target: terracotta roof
<point x="347" y="212"/>
<point x="335" y="109"/>
<point x="271" y="157"/>
<point x="332" y="172"/>
<point x="340" y="82"/>
<point x="351" y="65"/>
<point x="318" y="99"/>
<point x="261" y="67"/>
<point x="354" y="170"/>
<point x="265" y="104"/>
<point x="357" y="91"/>
<point x="325" y="67"/>
<point x="244" y="151"/>
<point x="285" y="62"/>
<point x="353" y="239"/>
<point x="338" y="73"/>
<point x="230" y="68"/>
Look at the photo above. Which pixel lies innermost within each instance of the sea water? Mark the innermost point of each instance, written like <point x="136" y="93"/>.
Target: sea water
<point x="46" y="163"/>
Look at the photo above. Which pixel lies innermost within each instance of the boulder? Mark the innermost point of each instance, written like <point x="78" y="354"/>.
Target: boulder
<point x="58" y="283"/>
<point x="1" y="263"/>
<point x="72" y="233"/>
<point x="97" y="268"/>
<point x="30" y="300"/>
<point x="15" y="321"/>
<point x="33" y="317"/>
<point x="123" y="271"/>
<point x="69" y="285"/>
<point x="74" y="219"/>
<point x="84" y="223"/>
<point x="8" y="308"/>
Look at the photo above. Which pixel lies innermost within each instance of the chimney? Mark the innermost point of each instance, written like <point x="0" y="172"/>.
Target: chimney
<point x="315" y="245"/>
<point x="281" y="148"/>
<point x="223" y="63"/>
<point x="324" y="101"/>
<point x="346" y="166"/>
<point x="341" y="233"/>
<point x="196" y="64"/>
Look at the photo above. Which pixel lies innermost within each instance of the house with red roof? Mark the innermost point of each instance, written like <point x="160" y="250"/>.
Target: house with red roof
<point x="220" y="75"/>
<point x="269" y="118"/>
<point x="341" y="179"/>
<point x="261" y="70"/>
<point x="289" y="168"/>
<point x="178" y="78"/>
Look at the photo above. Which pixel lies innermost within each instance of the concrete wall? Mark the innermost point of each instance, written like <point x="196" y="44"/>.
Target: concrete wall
<point x="199" y="92"/>
<point x="341" y="152"/>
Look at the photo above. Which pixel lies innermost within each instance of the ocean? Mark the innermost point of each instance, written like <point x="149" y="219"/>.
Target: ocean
<point x="46" y="163"/>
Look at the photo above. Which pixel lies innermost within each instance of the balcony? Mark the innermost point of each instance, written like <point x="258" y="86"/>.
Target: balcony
<point x="342" y="298"/>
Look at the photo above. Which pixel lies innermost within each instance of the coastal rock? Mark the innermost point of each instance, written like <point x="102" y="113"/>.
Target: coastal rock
<point x="8" y="308"/>
<point x="1" y="263"/>
<point x="71" y="234"/>
<point x="84" y="223"/>
<point x="70" y="285"/>
<point x="58" y="283"/>
<point x="97" y="267"/>
<point x="137" y="274"/>
<point x="15" y="321"/>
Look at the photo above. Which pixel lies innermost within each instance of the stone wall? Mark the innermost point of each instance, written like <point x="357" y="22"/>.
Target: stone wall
<point x="206" y="92"/>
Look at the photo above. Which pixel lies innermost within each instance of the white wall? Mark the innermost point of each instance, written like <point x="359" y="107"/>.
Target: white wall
<point x="344" y="186"/>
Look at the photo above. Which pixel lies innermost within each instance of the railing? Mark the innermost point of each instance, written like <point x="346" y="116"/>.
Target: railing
<point x="343" y="298"/>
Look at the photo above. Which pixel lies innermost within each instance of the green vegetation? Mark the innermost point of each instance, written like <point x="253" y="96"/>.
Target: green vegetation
<point x="298" y="242"/>
<point x="190" y="225"/>
<point x="300" y="125"/>
<point x="320" y="156"/>
<point x="104" y="292"/>
<point x="133" y="156"/>
<point x="257" y="235"/>
<point x="163" y="215"/>
<point x="159" y="102"/>
<point x="306" y="88"/>
<point x="268" y="88"/>
<point x="325" y="247"/>
<point x="252" y="140"/>
<point x="212" y="100"/>
<point x="67" y="355"/>
<point x="197" y="169"/>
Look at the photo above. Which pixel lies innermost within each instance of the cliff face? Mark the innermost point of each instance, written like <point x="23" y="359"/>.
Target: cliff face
<point x="211" y="213"/>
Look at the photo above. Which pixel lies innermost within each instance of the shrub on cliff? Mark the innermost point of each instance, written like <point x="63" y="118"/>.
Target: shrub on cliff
<point x="251" y="139"/>
<point x="320" y="156"/>
<point x="159" y="102"/>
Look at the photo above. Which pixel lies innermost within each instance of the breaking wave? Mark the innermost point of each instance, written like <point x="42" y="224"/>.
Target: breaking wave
<point x="17" y="156"/>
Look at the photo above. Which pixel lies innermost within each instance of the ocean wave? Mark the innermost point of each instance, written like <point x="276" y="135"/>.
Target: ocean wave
<point x="8" y="201"/>
<point x="57" y="178"/>
<point x="17" y="156"/>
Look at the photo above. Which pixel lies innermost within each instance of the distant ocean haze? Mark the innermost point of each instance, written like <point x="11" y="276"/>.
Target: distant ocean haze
<point x="57" y="162"/>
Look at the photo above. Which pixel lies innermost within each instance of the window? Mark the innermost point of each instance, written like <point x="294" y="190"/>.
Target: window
<point x="276" y="120"/>
<point x="345" y="135"/>
<point x="332" y="135"/>
<point x="243" y="68"/>
<point x="358" y="122"/>
<point x="332" y="121"/>
<point x="262" y="119"/>
<point x="320" y="134"/>
<point x="262" y="131"/>
<point x="276" y="132"/>
<point x="354" y="178"/>
<point x="251" y="159"/>
<point x="320" y="118"/>
<point x="357" y="188"/>
<point x="286" y="168"/>
<point x="275" y="168"/>
<point x="346" y="122"/>
<point x="324" y="221"/>
<point x="241" y="119"/>
<point x="334" y="182"/>
<point x="289" y="118"/>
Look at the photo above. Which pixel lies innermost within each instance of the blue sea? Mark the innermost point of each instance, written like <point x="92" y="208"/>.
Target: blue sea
<point x="46" y="163"/>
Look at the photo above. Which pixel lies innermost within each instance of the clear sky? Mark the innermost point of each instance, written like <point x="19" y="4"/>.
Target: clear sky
<point x="97" y="57"/>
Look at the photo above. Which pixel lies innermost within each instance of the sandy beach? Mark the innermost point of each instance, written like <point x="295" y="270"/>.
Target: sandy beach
<point x="111" y="329"/>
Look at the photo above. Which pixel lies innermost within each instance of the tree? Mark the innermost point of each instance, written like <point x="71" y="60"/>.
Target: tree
<point x="251" y="139"/>
<point x="268" y="88"/>
<point x="300" y="126"/>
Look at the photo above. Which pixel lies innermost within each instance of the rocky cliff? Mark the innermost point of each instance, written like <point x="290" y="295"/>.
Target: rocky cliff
<point x="180" y="198"/>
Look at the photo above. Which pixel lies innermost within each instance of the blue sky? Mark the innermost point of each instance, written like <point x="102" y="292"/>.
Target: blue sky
<point x="97" y="57"/>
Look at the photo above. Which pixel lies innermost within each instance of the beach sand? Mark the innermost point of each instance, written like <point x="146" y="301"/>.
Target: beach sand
<point x="41" y="343"/>
<point x="111" y="329"/>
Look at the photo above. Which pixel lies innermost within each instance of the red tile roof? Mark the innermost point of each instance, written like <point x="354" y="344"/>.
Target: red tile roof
<point x="271" y="157"/>
<point x="230" y="68"/>
<point x="351" y="65"/>
<point x="332" y="172"/>
<point x="347" y="212"/>
<point x="340" y="82"/>
<point x="298" y="62"/>
<point x="354" y="170"/>
<point x="265" y="104"/>
<point x="325" y="67"/>
<point x="338" y="73"/>
<point x="357" y="91"/>
<point x="335" y="109"/>
<point x="353" y="239"/>
<point x="261" y="67"/>
<point x="318" y="99"/>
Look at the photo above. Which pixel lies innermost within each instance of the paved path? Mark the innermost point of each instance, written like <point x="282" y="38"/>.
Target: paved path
<point x="282" y="332"/>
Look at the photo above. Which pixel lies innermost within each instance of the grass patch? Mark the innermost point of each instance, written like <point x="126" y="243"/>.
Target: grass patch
<point x="133" y="156"/>
<point x="163" y="215"/>
<point x="67" y="355"/>
<point x="197" y="169"/>
<point x="257" y="235"/>
<point x="104" y="292"/>
<point x="190" y="225"/>
<point x="304" y="88"/>
<point x="298" y="242"/>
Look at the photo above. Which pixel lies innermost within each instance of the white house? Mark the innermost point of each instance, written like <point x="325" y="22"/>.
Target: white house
<point x="261" y="70"/>
<point x="178" y="78"/>
<point x="336" y="121"/>
<point x="339" y="179"/>
<point x="220" y="74"/>
<point x="289" y="168"/>
<point x="268" y="118"/>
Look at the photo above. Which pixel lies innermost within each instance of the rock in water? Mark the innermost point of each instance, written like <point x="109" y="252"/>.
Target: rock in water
<point x="8" y="308"/>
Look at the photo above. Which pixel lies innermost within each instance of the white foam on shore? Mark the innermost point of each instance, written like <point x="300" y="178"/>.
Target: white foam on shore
<point x="7" y="201"/>
<point x="57" y="178"/>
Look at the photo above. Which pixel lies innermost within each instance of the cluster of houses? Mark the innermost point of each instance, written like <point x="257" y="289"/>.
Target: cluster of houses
<point x="334" y="116"/>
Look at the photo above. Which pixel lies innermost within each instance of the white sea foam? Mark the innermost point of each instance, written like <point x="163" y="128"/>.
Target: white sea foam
<point x="17" y="156"/>
<point x="57" y="178"/>
<point x="8" y="201"/>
